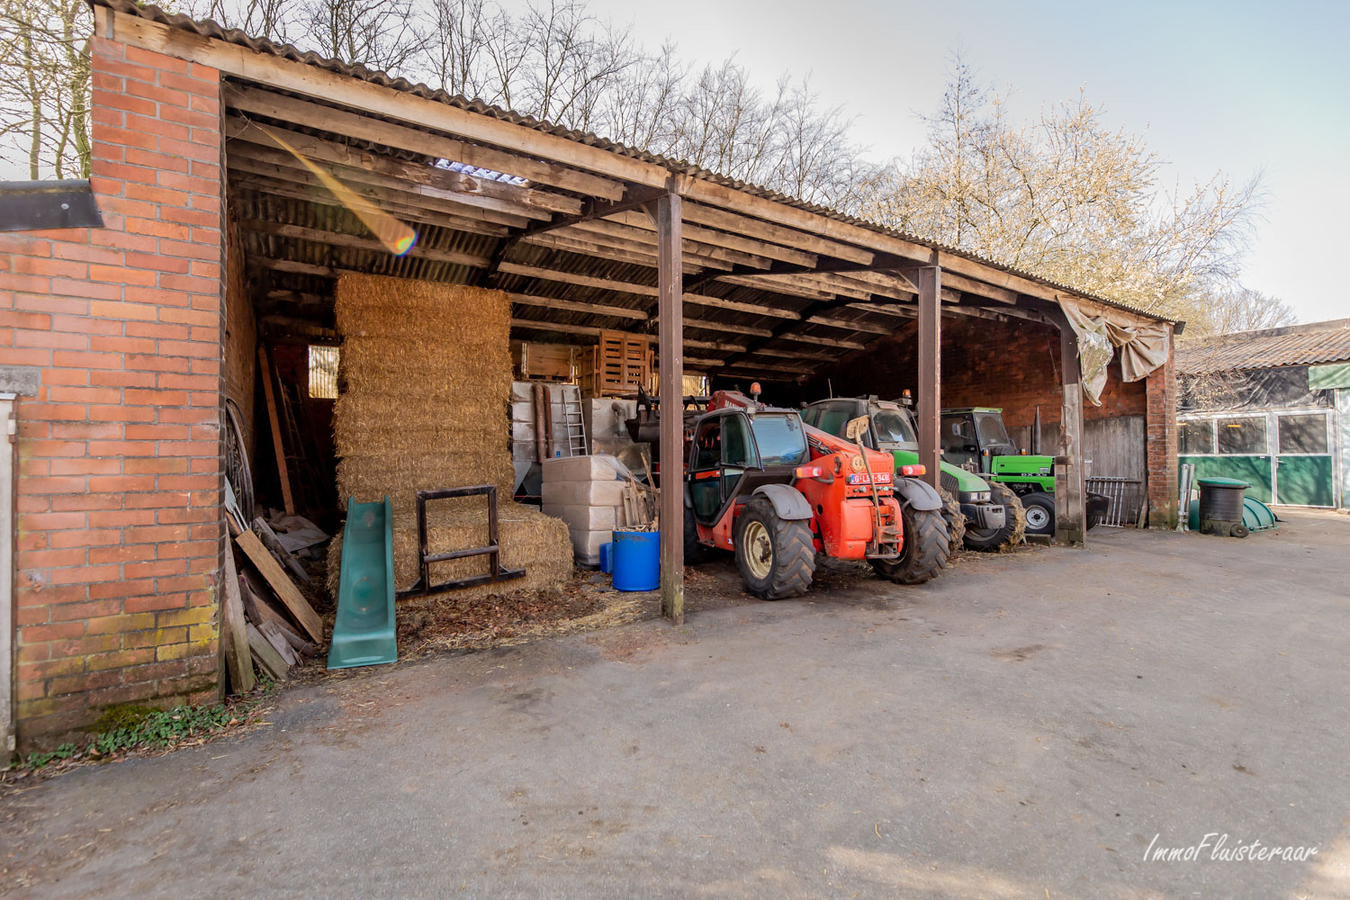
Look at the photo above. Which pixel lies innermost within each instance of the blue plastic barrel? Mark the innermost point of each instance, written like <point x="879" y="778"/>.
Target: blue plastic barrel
<point x="607" y="557"/>
<point x="637" y="560"/>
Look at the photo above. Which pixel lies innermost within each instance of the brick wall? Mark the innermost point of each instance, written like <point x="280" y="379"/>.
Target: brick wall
<point x="119" y="526"/>
<point x="1162" y="444"/>
<point x="984" y="363"/>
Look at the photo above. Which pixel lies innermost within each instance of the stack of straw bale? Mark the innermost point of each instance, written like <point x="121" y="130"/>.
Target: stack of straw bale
<point x="425" y="378"/>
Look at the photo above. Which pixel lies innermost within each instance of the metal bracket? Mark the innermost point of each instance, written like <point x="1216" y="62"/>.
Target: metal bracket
<point x="495" y="572"/>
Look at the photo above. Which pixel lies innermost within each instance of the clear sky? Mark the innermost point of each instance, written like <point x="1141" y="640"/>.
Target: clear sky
<point x="1232" y="86"/>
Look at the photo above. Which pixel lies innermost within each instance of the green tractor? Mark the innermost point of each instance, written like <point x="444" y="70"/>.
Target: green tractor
<point x="979" y="515"/>
<point x="974" y="439"/>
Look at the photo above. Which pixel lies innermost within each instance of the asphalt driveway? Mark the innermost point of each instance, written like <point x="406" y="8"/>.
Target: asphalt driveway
<point x="1028" y="726"/>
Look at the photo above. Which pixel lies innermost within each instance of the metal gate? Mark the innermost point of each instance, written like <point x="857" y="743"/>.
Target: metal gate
<point x="1126" y="496"/>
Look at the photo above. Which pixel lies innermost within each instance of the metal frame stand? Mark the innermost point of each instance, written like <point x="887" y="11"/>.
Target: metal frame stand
<point x="497" y="573"/>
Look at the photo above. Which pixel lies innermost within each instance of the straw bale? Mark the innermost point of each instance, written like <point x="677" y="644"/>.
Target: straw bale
<point x="528" y="539"/>
<point x="425" y="377"/>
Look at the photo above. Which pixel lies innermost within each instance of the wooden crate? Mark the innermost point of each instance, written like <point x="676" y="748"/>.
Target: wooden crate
<point x="544" y="362"/>
<point x="616" y="366"/>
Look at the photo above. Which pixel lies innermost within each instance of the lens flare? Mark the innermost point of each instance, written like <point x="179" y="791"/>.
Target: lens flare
<point x="397" y="238"/>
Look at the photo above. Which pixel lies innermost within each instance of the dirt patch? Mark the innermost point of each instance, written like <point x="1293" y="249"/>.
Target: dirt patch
<point x="455" y="623"/>
<point x="1017" y="654"/>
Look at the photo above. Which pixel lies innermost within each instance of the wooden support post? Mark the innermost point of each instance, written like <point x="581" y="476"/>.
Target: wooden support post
<point x="269" y="394"/>
<point x="1070" y="491"/>
<point x="929" y="401"/>
<point x="667" y="213"/>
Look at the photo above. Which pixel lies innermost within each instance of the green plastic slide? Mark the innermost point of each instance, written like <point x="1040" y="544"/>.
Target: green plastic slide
<point x="363" y="634"/>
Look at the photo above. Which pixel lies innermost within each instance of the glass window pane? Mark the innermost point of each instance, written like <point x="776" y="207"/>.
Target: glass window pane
<point x="781" y="440"/>
<point x="991" y="429"/>
<point x="1242" y="437"/>
<point x="323" y="367"/>
<point x="893" y="428"/>
<point x="709" y="442"/>
<point x="1303" y="434"/>
<point x="834" y="417"/>
<point x="1195" y="437"/>
<point x="957" y="433"/>
<point x="735" y="442"/>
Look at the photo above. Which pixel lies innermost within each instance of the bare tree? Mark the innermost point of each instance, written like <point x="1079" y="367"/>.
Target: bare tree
<point x="378" y="34"/>
<point x="44" y="96"/>
<point x="270" y="19"/>
<point x="454" y="51"/>
<point x="1236" y="309"/>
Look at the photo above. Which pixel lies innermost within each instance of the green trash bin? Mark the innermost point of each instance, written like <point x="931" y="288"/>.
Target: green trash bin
<point x="1221" y="506"/>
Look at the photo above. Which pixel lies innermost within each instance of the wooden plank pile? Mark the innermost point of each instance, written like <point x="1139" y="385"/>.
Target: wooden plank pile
<point x="268" y="623"/>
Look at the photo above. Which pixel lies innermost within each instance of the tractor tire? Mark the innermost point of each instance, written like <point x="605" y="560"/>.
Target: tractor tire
<point x="996" y="540"/>
<point x="1040" y="512"/>
<point x="694" y="552"/>
<point x="925" y="552"/>
<point x="956" y="522"/>
<point x="777" y="558"/>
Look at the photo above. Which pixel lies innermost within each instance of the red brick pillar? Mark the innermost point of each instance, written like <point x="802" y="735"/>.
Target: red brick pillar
<point x="119" y="490"/>
<point x="1162" y="444"/>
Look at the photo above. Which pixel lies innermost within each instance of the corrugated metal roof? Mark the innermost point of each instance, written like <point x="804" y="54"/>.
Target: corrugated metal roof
<point x="211" y="29"/>
<point x="1295" y="345"/>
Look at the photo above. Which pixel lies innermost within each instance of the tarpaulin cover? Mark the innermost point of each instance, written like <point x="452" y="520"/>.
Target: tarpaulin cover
<point x="1143" y="347"/>
<point x="1326" y="377"/>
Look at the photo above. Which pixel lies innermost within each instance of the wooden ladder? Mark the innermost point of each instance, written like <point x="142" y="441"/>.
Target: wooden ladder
<point x="573" y="421"/>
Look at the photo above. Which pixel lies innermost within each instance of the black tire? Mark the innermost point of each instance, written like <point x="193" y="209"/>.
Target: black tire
<point x="778" y="558"/>
<point x="925" y="552"/>
<point x="1040" y="513"/>
<point x="956" y="522"/>
<point x="694" y="552"/>
<point x="995" y="540"/>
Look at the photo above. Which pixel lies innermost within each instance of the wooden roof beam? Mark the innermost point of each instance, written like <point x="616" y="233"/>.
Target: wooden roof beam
<point x="380" y="196"/>
<point x="265" y="185"/>
<point x="339" y="239"/>
<point x="472" y="187"/>
<point x="415" y="140"/>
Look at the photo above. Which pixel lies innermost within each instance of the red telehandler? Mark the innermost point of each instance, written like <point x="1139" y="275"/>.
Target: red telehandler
<point x="761" y="483"/>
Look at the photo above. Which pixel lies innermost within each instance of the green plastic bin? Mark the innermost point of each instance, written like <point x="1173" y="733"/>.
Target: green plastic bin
<point x="1256" y="516"/>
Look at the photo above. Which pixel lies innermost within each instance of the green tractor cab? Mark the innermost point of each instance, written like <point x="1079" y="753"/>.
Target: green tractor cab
<point x="974" y="439"/>
<point x="979" y="516"/>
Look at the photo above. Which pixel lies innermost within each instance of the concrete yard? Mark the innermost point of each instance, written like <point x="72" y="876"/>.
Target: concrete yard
<point x="1024" y="727"/>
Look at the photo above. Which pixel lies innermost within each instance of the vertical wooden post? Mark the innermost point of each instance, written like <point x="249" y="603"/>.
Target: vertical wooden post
<point x="929" y="401"/>
<point x="269" y="394"/>
<point x="1070" y="491"/>
<point x="670" y="270"/>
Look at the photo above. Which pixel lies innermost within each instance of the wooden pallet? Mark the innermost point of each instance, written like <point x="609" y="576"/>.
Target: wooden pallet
<point x="617" y="366"/>
<point x="543" y="362"/>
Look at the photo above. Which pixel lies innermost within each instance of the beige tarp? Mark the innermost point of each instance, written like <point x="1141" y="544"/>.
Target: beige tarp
<point x="1143" y="347"/>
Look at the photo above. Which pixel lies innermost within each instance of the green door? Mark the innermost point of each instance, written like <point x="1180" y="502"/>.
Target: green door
<point x="1304" y="474"/>
<point x="1231" y="446"/>
<point x="1255" y="470"/>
